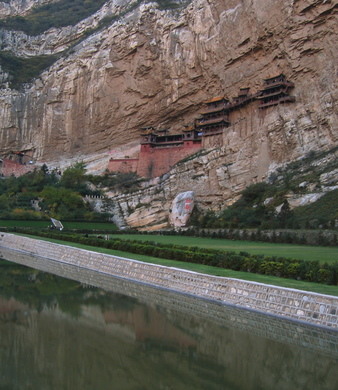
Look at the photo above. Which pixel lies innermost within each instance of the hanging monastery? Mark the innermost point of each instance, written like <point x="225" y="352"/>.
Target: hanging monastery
<point x="160" y="150"/>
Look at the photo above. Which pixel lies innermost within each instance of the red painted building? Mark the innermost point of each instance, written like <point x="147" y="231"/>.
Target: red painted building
<point x="14" y="168"/>
<point x="160" y="151"/>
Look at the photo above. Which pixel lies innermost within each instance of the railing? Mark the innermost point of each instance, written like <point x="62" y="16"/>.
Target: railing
<point x="205" y="122"/>
<point x="273" y="84"/>
<point x="274" y="93"/>
<point x="283" y="99"/>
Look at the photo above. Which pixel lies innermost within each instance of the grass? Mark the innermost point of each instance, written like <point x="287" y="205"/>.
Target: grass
<point x="302" y="252"/>
<point x="289" y="283"/>
<point x="108" y="226"/>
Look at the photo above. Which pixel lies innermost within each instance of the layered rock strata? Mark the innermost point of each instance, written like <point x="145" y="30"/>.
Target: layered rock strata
<point x="156" y="67"/>
<point x="217" y="178"/>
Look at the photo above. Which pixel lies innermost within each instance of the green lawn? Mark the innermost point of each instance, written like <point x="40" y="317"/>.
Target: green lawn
<point x="290" y="283"/>
<point x="302" y="252"/>
<point x="67" y="225"/>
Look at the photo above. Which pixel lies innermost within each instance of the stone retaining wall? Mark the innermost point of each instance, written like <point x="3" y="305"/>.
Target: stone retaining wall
<point x="304" y="306"/>
<point x="314" y="338"/>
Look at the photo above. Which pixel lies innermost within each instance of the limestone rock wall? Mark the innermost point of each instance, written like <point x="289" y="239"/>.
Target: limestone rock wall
<point x="156" y="67"/>
<point x="57" y="40"/>
<point x="217" y="176"/>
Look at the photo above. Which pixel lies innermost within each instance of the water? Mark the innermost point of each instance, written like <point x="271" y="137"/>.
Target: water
<point x="57" y="333"/>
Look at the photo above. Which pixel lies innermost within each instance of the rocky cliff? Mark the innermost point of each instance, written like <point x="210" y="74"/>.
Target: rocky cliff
<point x="153" y="66"/>
<point x="20" y="7"/>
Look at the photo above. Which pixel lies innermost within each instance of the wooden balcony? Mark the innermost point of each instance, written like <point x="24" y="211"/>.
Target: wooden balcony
<point x="218" y="108"/>
<point x="278" y="92"/>
<point x="275" y="102"/>
<point x="211" y="121"/>
<point x="212" y="131"/>
<point x="278" y="83"/>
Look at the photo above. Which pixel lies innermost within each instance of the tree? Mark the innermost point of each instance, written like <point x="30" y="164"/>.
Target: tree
<point x="75" y="178"/>
<point x="63" y="203"/>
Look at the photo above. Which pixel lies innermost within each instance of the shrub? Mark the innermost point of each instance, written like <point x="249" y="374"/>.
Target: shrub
<point x="282" y="267"/>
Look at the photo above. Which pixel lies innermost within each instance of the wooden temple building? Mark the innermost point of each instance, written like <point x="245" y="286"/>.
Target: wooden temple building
<point x="242" y="99"/>
<point x="160" y="150"/>
<point x="214" y="118"/>
<point x="151" y="138"/>
<point x="276" y="90"/>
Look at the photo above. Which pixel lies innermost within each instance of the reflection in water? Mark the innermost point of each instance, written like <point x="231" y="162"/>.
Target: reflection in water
<point x="59" y="334"/>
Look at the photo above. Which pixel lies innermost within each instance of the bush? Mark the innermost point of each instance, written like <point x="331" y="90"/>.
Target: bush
<point x="311" y="271"/>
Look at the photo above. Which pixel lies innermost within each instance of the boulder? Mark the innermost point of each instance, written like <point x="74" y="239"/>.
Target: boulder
<point x="181" y="209"/>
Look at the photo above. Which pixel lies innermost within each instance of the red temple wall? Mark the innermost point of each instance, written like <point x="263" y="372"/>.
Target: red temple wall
<point x="154" y="162"/>
<point x="13" y="168"/>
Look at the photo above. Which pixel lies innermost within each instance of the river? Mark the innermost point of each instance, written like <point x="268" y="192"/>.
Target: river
<point x="98" y="332"/>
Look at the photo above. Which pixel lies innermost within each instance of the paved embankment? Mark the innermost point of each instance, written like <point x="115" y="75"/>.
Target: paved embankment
<point x="304" y="306"/>
<point x="314" y="338"/>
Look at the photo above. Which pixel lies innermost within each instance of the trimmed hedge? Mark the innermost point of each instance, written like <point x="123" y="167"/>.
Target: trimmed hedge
<point x="312" y="271"/>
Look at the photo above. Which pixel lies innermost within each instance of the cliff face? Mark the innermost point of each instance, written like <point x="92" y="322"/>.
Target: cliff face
<point x="156" y="67"/>
<point x="20" y="7"/>
<point x="55" y="40"/>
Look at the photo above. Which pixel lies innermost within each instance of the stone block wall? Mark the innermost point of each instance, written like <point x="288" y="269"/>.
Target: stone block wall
<point x="295" y="304"/>
<point x="317" y="339"/>
<point x="155" y="161"/>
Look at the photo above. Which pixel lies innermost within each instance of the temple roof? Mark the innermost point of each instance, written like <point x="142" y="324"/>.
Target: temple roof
<point x="188" y="128"/>
<point x="148" y="132"/>
<point x="216" y="99"/>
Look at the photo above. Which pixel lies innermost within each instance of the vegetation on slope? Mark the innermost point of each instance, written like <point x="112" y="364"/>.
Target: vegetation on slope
<point x="23" y="70"/>
<point x="58" y="196"/>
<point x="257" y="205"/>
<point x="324" y="212"/>
<point x="67" y="13"/>
<point x="60" y="14"/>
<point x="251" y="213"/>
